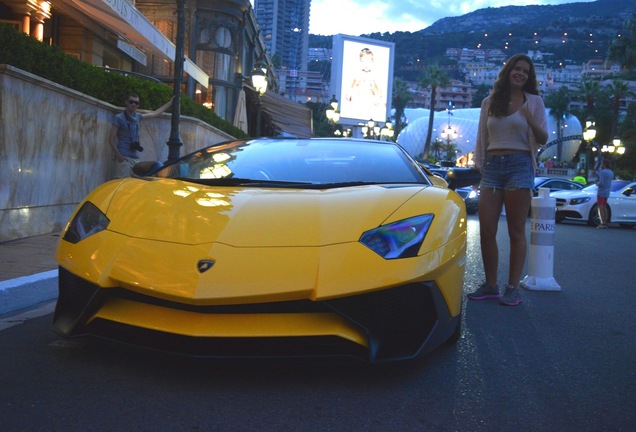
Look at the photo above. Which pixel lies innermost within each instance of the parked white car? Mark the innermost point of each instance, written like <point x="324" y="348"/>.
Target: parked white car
<point x="581" y="205"/>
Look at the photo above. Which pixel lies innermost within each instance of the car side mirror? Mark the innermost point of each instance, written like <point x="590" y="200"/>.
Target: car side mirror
<point x="145" y="168"/>
<point x="462" y="177"/>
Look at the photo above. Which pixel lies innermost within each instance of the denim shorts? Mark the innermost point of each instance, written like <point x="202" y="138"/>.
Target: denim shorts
<point x="509" y="171"/>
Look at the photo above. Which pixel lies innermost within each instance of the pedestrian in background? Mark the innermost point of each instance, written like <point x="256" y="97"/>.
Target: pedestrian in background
<point x="124" y="135"/>
<point x="604" y="186"/>
<point x="512" y="127"/>
<point x="580" y="178"/>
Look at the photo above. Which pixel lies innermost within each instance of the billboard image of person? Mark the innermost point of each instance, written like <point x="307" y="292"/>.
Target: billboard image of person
<point x="363" y="78"/>
<point x="365" y="89"/>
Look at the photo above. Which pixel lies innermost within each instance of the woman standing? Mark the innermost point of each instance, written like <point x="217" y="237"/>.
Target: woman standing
<point x="512" y="126"/>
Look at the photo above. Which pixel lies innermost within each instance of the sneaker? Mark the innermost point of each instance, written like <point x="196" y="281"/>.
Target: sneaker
<point x="511" y="296"/>
<point x="484" y="292"/>
<point x="601" y="226"/>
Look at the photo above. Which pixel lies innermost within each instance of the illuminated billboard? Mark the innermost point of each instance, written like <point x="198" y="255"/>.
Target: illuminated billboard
<point x="362" y="78"/>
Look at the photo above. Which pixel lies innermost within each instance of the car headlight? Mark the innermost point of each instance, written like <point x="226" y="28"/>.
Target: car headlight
<point x="401" y="239"/>
<point x="89" y="220"/>
<point x="472" y="194"/>
<point x="577" y="201"/>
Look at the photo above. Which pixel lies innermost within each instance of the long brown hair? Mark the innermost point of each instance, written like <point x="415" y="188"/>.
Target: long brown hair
<point x="500" y="96"/>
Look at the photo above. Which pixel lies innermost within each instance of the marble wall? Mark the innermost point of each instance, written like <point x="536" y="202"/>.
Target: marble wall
<point x="54" y="150"/>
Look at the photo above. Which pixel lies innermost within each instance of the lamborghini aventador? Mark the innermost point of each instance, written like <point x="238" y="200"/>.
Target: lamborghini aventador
<point x="269" y="248"/>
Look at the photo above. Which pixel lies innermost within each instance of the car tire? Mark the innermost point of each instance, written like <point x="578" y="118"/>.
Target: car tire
<point x="593" y="218"/>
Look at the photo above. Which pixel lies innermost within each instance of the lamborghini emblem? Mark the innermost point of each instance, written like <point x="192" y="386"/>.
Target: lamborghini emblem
<point x="204" y="265"/>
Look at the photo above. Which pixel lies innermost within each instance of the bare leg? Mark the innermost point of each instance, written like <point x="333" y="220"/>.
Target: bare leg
<point x="490" y="204"/>
<point x="517" y="207"/>
<point x="602" y="214"/>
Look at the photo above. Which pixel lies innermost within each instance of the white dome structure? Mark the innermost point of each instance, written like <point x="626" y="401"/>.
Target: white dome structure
<point x="465" y="122"/>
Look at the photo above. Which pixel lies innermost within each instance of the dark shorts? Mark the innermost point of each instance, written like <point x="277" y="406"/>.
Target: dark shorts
<point x="508" y="172"/>
<point x="601" y="201"/>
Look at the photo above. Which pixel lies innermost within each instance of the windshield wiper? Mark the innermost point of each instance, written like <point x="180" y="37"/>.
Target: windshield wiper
<point x="237" y="181"/>
<point x="366" y="183"/>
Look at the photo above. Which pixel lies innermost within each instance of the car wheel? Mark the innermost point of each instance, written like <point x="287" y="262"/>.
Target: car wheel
<point x="594" y="219"/>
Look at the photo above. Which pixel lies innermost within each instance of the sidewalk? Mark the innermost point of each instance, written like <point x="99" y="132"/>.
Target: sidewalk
<point x="28" y="262"/>
<point x="28" y="256"/>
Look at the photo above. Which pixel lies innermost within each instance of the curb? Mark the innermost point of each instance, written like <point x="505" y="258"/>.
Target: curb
<point x="26" y="291"/>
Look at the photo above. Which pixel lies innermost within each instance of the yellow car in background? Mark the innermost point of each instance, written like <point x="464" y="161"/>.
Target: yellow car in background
<point x="269" y="248"/>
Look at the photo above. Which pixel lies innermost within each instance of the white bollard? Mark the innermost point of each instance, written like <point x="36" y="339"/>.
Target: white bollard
<point x="541" y="256"/>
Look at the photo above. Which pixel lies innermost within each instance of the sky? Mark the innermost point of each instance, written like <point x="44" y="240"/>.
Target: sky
<point x="358" y="17"/>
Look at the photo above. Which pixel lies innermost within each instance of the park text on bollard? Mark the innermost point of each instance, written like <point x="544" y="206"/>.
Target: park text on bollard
<point x="541" y="255"/>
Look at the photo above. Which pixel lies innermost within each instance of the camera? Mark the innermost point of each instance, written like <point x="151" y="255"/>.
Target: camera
<point x="135" y="146"/>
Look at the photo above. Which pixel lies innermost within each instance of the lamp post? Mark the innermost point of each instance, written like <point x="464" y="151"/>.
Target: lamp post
<point x="615" y="147"/>
<point x="449" y="134"/>
<point x="588" y="136"/>
<point x="388" y="132"/>
<point x="174" y="142"/>
<point x="332" y="113"/>
<point x="259" y="82"/>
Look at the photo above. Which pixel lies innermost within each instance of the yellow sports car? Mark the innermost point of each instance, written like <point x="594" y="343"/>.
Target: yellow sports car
<point x="270" y="248"/>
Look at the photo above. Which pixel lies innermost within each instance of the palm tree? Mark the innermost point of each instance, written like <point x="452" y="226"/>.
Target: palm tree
<point x="589" y="89"/>
<point x="618" y="89"/>
<point x="623" y="47"/>
<point x="401" y="97"/>
<point x="559" y="103"/>
<point x="433" y="77"/>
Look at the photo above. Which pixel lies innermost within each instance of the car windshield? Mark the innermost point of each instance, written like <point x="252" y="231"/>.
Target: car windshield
<point x="297" y="162"/>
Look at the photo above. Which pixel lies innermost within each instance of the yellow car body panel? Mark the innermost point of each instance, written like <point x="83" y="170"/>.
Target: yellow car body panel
<point x="299" y="263"/>
<point x="229" y="325"/>
<point x="243" y="216"/>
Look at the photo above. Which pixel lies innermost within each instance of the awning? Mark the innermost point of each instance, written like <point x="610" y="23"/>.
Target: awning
<point x="123" y="18"/>
<point x="289" y="116"/>
<point x="240" y="116"/>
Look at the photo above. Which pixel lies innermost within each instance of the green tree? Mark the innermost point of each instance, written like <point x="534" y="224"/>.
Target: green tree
<point x="622" y="48"/>
<point x="589" y="89"/>
<point x="433" y="77"/>
<point x="400" y="99"/>
<point x="618" y="89"/>
<point x="559" y="102"/>
<point x="626" y="164"/>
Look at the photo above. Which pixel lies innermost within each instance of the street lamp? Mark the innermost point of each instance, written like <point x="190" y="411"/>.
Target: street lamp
<point x="387" y="131"/>
<point x="332" y="113"/>
<point x="588" y="136"/>
<point x="615" y="146"/>
<point x="259" y="82"/>
<point x="174" y="142"/>
<point x="371" y="130"/>
<point x="449" y="134"/>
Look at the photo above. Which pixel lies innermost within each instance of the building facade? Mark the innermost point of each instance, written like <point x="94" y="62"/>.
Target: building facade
<point x="284" y="27"/>
<point x="222" y="41"/>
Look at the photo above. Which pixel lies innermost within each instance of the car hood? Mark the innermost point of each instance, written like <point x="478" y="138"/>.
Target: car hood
<point x="182" y="212"/>
<point x="574" y="193"/>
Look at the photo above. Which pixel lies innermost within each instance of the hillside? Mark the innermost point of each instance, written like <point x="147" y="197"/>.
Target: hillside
<point x="598" y="16"/>
<point x="564" y="35"/>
